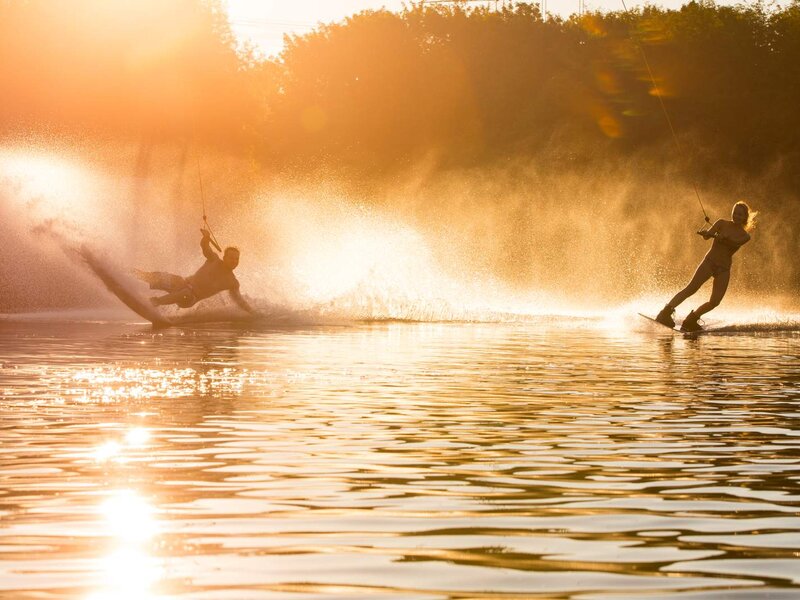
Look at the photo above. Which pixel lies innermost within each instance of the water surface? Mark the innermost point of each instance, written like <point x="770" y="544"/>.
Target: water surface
<point x="563" y="459"/>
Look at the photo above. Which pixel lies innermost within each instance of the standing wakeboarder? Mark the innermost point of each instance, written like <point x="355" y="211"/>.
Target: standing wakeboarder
<point x="728" y="237"/>
<point x="214" y="276"/>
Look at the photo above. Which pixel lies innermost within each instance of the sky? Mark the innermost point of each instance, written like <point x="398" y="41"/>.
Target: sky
<point x="263" y="23"/>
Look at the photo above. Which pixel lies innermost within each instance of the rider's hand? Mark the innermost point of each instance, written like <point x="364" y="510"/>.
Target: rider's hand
<point x="206" y="233"/>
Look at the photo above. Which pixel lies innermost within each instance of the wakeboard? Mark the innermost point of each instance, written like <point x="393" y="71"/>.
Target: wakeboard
<point x="676" y="329"/>
<point x="116" y="284"/>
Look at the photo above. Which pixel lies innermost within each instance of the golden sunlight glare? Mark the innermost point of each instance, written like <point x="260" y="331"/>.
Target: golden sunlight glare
<point x="137" y="436"/>
<point x="45" y="179"/>
<point x="107" y="451"/>
<point x="129" y="517"/>
<point x="128" y="574"/>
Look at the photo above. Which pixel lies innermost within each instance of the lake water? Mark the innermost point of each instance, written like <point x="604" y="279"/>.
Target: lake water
<point x="558" y="459"/>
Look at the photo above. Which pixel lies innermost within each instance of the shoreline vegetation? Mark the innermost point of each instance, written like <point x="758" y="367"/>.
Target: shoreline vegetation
<point x="380" y="91"/>
<point x="497" y="130"/>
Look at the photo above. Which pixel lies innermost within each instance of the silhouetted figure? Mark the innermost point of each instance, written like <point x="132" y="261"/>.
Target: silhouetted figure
<point x="215" y="276"/>
<point x="728" y="237"/>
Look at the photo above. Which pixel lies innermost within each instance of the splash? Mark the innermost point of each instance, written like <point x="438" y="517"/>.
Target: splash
<point x="506" y="245"/>
<point x="319" y="260"/>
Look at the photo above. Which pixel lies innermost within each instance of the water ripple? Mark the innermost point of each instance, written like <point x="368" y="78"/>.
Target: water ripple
<point x="396" y="460"/>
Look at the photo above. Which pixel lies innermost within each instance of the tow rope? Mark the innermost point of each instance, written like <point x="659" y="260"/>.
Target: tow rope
<point x="206" y="226"/>
<point x="666" y="113"/>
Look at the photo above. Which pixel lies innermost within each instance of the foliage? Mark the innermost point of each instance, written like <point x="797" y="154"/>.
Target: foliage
<point x="160" y="68"/>
<point x="444" y="83"/>
<point x="476" y="85"/>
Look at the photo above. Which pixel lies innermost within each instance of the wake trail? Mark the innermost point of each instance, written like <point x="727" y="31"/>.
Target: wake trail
<point x="789" y="326"/>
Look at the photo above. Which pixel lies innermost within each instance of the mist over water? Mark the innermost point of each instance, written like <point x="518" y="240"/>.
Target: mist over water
<point x="528" y="240"/>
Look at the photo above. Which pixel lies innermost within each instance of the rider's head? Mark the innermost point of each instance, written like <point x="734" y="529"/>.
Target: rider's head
<point x="231" y="257"/>
<point x="743" y="215"/>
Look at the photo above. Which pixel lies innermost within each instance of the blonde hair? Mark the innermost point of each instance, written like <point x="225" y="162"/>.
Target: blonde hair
<point x="751" y="215"/>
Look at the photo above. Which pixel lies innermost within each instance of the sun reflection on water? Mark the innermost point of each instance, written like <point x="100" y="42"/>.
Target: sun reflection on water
<point x="138" y="436"/>
<point x="129" y="517"/>
<point x="128" y="570"/>
<point x="112" y="384"/>
<point x="478" y="460"/>
<point x="107" y="451"/>
<point x="129" y="574"/>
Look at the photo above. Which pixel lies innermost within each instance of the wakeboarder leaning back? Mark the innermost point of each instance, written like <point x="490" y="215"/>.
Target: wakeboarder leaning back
<point x="728" y="237"/>
<point x="214" y="276"/>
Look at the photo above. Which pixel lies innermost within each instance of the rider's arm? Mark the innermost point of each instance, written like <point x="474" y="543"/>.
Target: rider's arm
<point x="205" y="244"/>
<point x="237" y="297"/>
<point x="713" y="231"/>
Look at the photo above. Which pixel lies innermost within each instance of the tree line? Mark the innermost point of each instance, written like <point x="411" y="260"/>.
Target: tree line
<point x="381" y="90"/>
